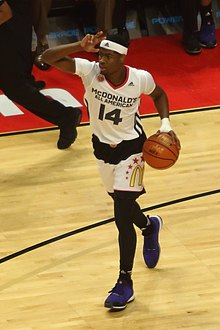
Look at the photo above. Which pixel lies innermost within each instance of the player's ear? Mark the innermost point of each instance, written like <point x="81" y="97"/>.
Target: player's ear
<point x="122" y="58"/>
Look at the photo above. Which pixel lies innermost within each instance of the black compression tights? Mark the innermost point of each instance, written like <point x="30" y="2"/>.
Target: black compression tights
<point x="127" y="212"/>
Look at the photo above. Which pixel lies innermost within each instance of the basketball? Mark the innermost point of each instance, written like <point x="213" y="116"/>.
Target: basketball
<point x="160" y="152"/>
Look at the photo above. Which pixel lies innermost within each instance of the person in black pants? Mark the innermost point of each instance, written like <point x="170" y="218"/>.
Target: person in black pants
<point x="16" y="80"/>
<point x="111" y="17"/>
<point x="195" y="39"/>
<point x="41" y="10"/>
<point x="119" y="19"/>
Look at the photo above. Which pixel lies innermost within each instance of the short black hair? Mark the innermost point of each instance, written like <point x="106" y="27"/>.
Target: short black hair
<point x="118" y="39"/>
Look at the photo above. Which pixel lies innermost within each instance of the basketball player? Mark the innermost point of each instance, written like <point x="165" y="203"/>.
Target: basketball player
<point x="112" y="96"/>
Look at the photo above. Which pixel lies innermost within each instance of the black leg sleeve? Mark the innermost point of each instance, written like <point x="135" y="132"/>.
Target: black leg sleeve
<point x="123" y="209"/>
<point x="139" y="219"/>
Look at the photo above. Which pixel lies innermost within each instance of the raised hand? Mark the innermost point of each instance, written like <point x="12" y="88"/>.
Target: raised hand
<point x="89" y="42"/>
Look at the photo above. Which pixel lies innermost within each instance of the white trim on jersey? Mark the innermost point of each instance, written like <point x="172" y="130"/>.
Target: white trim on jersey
<point x="114" y="110"/>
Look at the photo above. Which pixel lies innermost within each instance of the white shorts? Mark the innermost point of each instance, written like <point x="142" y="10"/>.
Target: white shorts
<point x="127" y="175"/>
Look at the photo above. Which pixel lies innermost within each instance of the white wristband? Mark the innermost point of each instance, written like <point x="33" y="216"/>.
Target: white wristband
<point x="165" y="125"/>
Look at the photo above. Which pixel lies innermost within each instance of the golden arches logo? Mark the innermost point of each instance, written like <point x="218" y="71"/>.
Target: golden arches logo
<point x="140" y="170"/>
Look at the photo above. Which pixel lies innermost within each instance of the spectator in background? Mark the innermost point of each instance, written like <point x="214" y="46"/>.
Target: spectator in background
<point x="104" y="13"/>
<point x="5" y="12"/>
<point x="41" y="9"/>
<point x="119" y="19"/>
<point x="193" y="38"/>
<point x="111" y="17"/>
<point x="16" y="80"/>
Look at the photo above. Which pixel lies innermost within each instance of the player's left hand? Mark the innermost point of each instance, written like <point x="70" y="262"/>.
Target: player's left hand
<point x="175" y="139"/>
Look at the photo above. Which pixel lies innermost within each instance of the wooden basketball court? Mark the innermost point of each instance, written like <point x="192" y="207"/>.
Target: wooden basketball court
<point x="62" y="282"/>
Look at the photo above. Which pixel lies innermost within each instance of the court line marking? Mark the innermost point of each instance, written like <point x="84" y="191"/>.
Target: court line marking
<point x="149" y="115"/>
<point x="103" y="222"/>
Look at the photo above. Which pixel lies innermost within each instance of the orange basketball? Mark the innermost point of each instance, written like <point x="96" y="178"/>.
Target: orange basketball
<point x="160" y="152"/>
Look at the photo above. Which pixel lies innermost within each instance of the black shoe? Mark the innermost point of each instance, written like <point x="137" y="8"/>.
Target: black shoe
<point x="191" y="44"/>
<point x="38" y="58"/>
<point x="39" y="84"/>
<point x="68" y="133"/>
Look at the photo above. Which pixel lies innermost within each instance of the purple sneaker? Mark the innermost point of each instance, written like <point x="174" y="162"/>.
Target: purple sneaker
<point x="151" y="248"/>
<point x="207" y="35"/>
<point x="120" y="296"/>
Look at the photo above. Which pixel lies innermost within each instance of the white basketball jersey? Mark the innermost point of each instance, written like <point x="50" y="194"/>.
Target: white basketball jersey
<point x="114" y="110"/>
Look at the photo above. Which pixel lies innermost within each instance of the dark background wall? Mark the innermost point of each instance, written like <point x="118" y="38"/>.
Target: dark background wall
<point x="69" y="20"/>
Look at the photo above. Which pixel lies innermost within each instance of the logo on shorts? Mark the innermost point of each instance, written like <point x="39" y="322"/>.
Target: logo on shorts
<point x="138" y="170"/>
